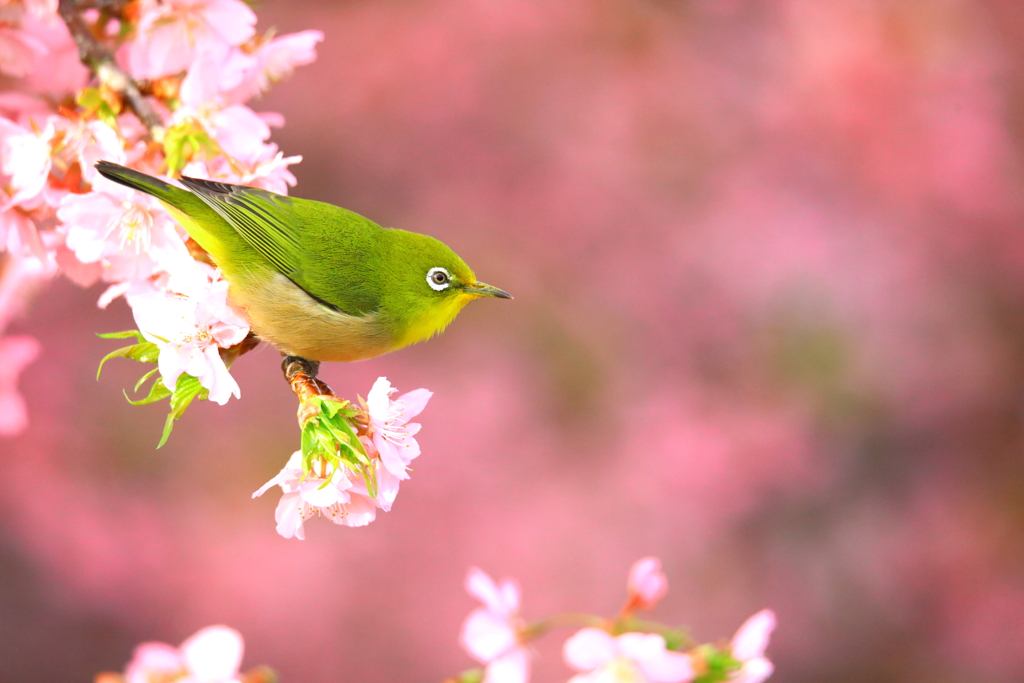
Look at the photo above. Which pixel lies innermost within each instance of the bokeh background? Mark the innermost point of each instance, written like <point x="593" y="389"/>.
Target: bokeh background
<point x="768" y="260"/>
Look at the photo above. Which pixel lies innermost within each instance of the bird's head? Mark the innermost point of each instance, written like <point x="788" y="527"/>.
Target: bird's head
<point x="431" y="285"/>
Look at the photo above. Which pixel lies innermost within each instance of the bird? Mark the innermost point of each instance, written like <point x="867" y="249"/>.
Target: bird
<point x="317" y="281"/>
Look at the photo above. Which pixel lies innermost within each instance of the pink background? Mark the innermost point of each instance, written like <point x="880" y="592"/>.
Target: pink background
<point x="768" y="260"/>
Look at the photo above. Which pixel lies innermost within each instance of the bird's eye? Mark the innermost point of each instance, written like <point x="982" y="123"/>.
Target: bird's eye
<point x="438" y="279"/>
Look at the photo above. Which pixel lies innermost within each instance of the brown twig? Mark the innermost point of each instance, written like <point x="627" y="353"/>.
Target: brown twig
<point x="301" y="375"/>
<point x="102" y="63"/>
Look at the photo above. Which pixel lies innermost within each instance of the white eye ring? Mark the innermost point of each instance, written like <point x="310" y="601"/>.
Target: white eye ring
<point x="439" y="279"/>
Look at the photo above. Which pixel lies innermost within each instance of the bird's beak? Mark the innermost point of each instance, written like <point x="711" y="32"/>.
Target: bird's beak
<point x="480" y="289"/>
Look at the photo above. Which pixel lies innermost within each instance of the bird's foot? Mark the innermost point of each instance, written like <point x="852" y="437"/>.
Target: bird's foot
<point x="301" y="375"/>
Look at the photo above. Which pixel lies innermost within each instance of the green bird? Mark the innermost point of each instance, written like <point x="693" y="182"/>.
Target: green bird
<point x="316" y="280"/>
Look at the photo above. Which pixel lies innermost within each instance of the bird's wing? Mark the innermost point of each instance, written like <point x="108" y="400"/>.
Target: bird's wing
<point x="263" y="219"/>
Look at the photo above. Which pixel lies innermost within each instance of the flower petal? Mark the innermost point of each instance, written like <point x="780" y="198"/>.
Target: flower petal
<point x="752" y="637"/>
<point x="754" y="670"/>
<point x="511" y="667"/>
<point x="588" y="649"/>
<point x="415" y="401"/>
<point x="646" y="581"/>
<point x="486" y="635"/>
<point x="481" y="586"/>
<point x="378" y="400"/>
<point x="152" y="658"/>
<point x="213" y="653"/>
<point x="359" y="511"/>
<point x="288" y="516"/>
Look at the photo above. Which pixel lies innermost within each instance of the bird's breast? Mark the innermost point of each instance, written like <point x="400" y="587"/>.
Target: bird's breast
<point x="283" y="314"/>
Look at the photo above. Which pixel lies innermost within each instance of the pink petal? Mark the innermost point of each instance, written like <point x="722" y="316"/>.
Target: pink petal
<point x="387" y="488"/>
<point x="316" y="494"/>
<point x="646" y="581"/>
<point x="359" y="511"/>
<point x="213" y="653"/>
<point x="152" y="658"/>
<point x="512" y="667"/>
<point x="752" y="637"/>
<point x="754" y="670"/>
<point x="232" y="19"/>
<point x="378" y="400"/>
<point x="503" y="599"/>
<point x="415" y="401"/>
<point x="389" y="456"/>
<point x="288" y="516"/>
<point x="588" y="649"/>
<point x="486" y="636"/>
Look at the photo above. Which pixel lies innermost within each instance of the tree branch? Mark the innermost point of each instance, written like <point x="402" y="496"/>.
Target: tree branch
<point x="301" y="375"/>
<point x="102" y="63"/>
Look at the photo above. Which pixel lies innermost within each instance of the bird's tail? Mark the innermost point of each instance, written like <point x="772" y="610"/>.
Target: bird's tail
<point x="141" y="182"/>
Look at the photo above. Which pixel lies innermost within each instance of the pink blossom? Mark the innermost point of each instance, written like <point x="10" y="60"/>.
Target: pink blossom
<point x="170" y="34"/>
<point x="58" y="70"/>
<point x="628" y="658"/>
<point x="191" y="327"/>
<point x="19" y="52"/>
<point x="215" y="71"/>
<point x="211" y="655"/>
<point x="748" y="646"/>
<point x="238" y="130"/>
<point x="24" y="162"/>
<point x="646" y="584"/>
<point x="269" y="170"/>
<point x="128" y="232"/>
<point x="15" y="354"/>
<point x="89" y="142"/>
<point x="490" y="634"/>
<point x="274" y="61"/>
<point x="19" y="278"/>
<point x="340" y="497"/>
<point x="19" y="234"/>
<point x="392" y="434"/>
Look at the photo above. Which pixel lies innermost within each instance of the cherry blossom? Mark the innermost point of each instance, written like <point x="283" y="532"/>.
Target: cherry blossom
<point x="748" y="646"/>
<point x="19" y="52"/>
<point x="628" y="658"/>
<point x="391" y="432"/>
<point x="58" y="70"/>
<point x="490" y="633"/>
<point x="172" y="33"/>
<point x="127" y="232"/>
<point x="211" y="655"/>
<point x="24" y="162"/>
<point x="274" y="61"/>
<point x="646" y="584"/>
<point x="190" y="327"/>
<point x="340" y="496"/>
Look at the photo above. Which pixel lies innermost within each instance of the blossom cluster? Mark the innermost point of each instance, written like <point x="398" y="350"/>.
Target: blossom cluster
<point x="619" y="650"/>
<point x="211" y="655"/>
<point x="196" y="63"/>
<point x="348" y="491"/>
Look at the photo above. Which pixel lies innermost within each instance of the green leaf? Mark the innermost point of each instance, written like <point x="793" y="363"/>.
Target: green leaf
<point x="89" y="98"/>
<point x="120" y="335"/>
<point x="157" y="392"/>
<point x="146" y="352"/>
<point x="184" y="141"/>
<point x="720" y="665"/>
<point x="186" y="390"/>
<point x="142" y="380"/>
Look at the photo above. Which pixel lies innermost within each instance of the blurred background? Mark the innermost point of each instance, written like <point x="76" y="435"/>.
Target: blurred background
<point x="768" y="260"/>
